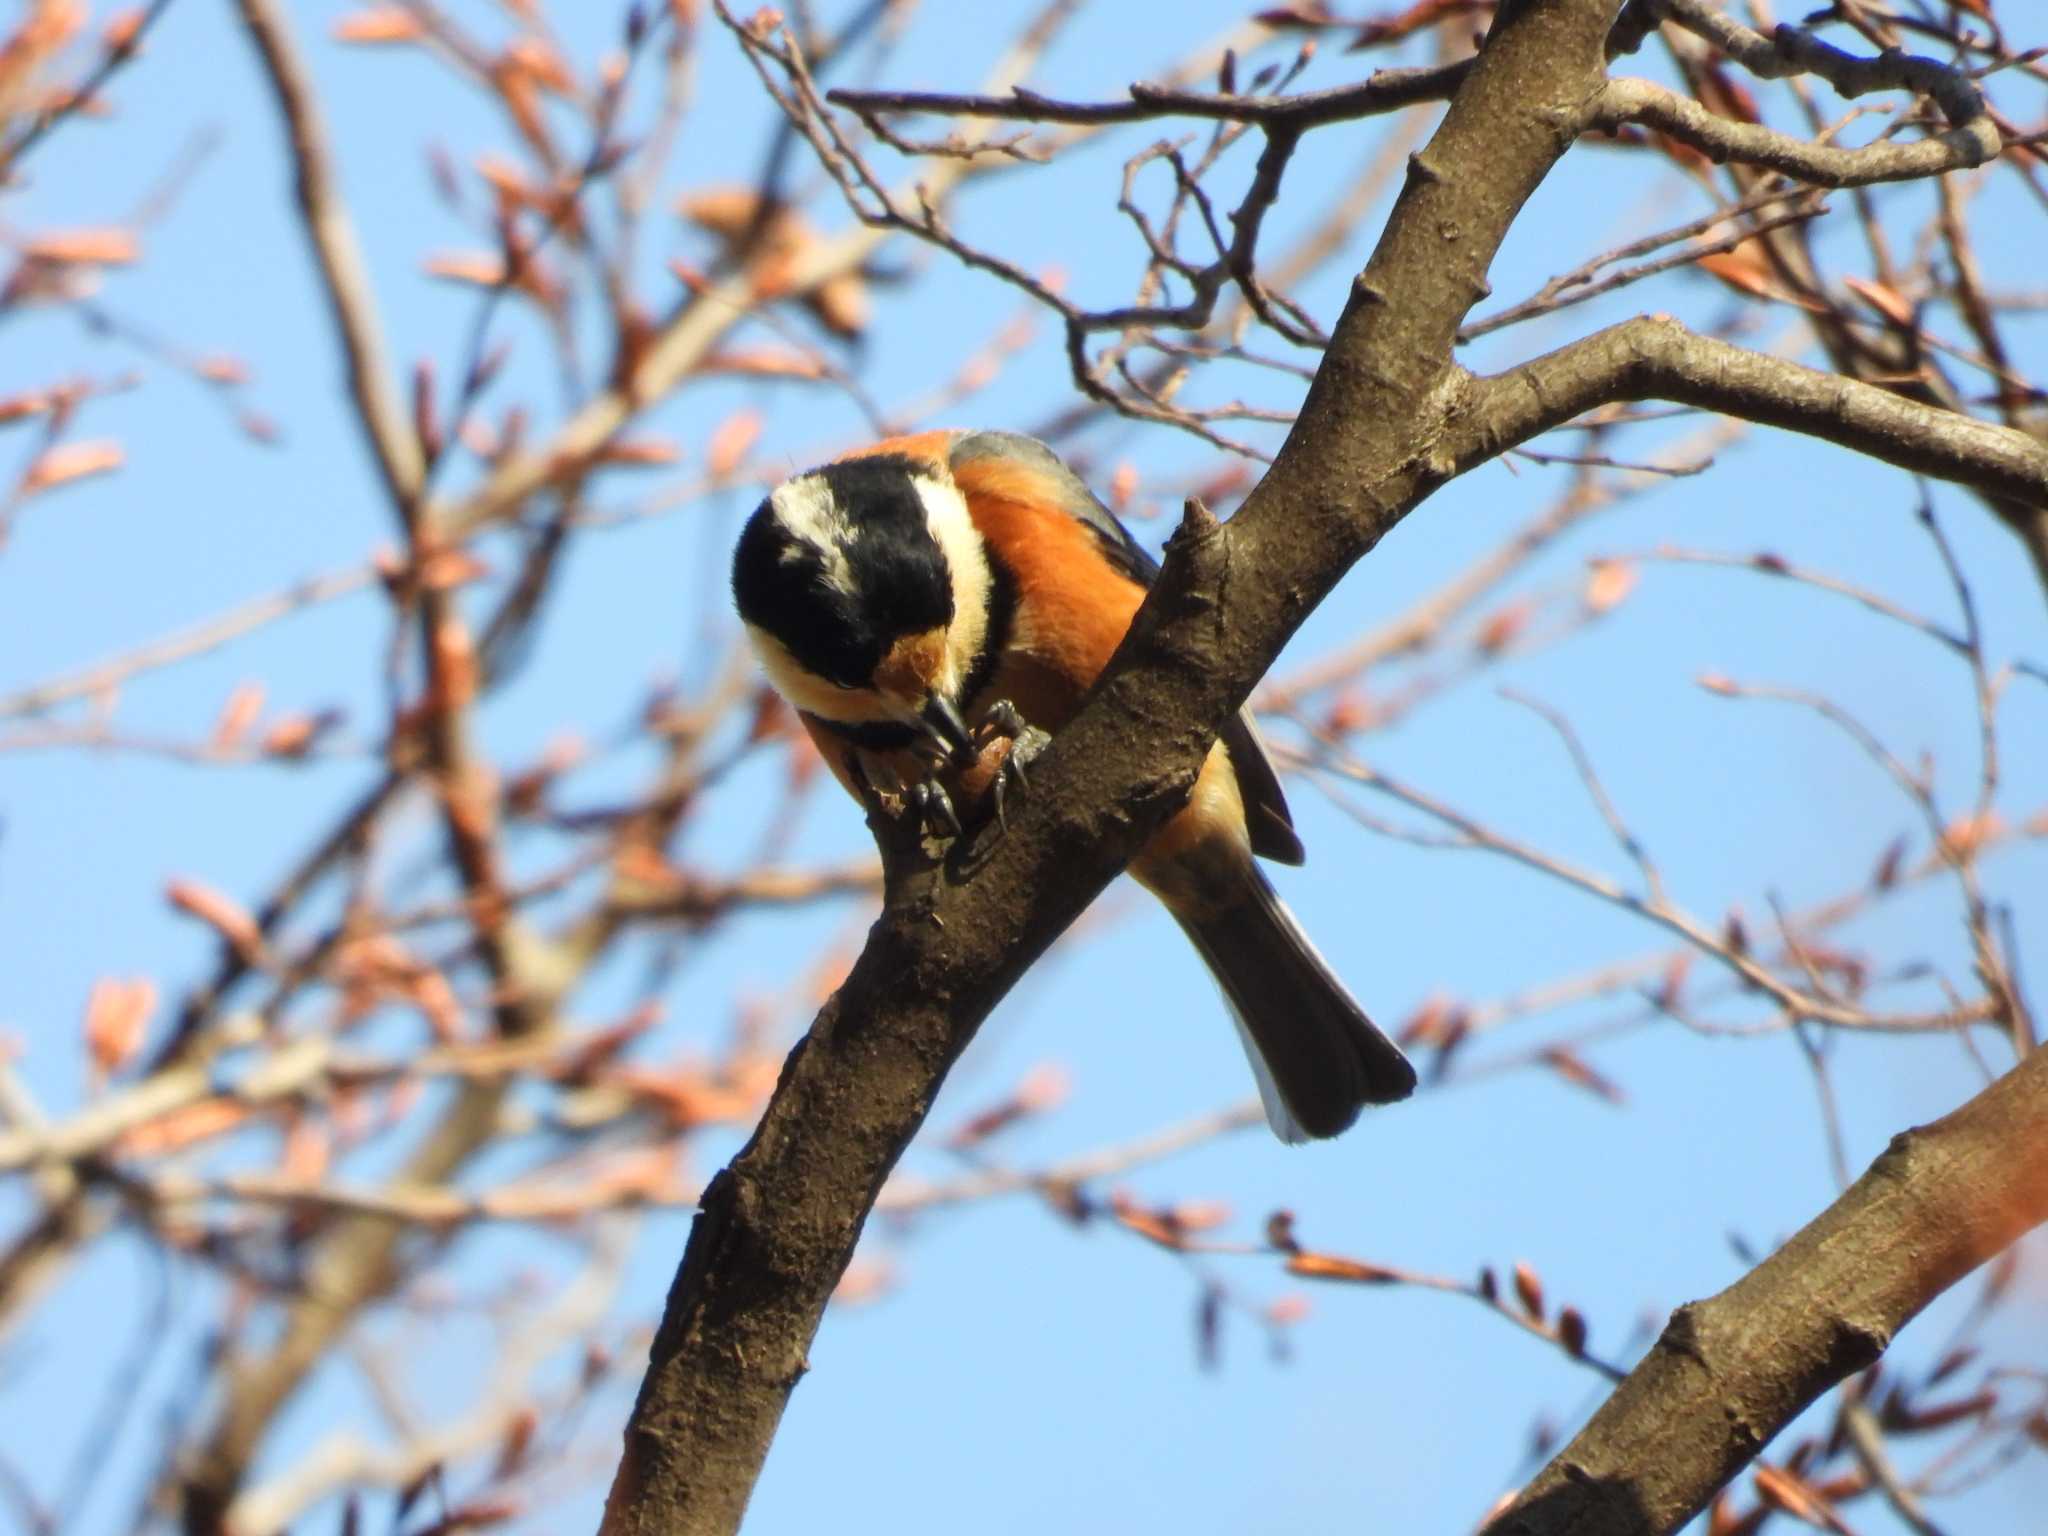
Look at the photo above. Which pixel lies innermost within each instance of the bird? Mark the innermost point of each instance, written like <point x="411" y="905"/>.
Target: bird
<point x="926" y="595"/>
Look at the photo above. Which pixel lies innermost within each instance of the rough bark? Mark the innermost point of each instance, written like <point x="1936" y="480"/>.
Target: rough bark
<point x="1733" y="1370"/>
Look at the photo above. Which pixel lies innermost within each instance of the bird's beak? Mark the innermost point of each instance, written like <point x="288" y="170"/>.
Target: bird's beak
<point x="942" y="723"/>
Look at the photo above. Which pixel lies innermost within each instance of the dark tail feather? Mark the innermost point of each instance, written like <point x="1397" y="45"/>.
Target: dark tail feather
<point x="1317" y="1057"/>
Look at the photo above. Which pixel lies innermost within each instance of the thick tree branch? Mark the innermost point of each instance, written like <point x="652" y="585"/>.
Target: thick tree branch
<point x="1732" y="1371"/>
<point x="778" y="1226"/>
<point x="1654" y="358"/>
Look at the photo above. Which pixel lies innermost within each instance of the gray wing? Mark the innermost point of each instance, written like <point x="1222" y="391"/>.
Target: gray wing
<point x="1265" y="807"/>
<point x="1077" y="501"/>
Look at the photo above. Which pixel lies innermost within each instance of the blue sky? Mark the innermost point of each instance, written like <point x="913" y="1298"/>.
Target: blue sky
<point x="1026" y="1374"/>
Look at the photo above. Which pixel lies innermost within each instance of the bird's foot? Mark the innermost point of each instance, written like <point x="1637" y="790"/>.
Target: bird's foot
<point x="927" y="797"/>
<point x="1026" y="742"/>
<point x="924" y="798"/>
<point x="928" y="801"/>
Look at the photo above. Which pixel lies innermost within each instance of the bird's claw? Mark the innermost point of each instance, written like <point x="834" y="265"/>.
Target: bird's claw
<point x="933" y="807"/>
<point x="925" y="798"/>
<point x="1001" y="718"/>
<point x="1026" y="742"/>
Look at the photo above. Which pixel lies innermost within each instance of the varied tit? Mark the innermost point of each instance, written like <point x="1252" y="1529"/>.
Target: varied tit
<point x="918" y="597"/>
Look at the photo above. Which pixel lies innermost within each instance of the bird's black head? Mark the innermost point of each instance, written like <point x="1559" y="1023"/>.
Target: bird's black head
<point x="839" y="564"/>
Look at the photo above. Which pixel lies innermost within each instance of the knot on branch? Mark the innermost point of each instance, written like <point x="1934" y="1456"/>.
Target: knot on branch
<point x="1450" y="401"/>
<point x="1198" y="530"/>
<point x="1194" y="579"/>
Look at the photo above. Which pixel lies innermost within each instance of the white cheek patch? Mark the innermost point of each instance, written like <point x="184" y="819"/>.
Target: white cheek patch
<point x="811" y="693"/>
<point x="952" y="528"/>
<point x="806" y="507"/>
